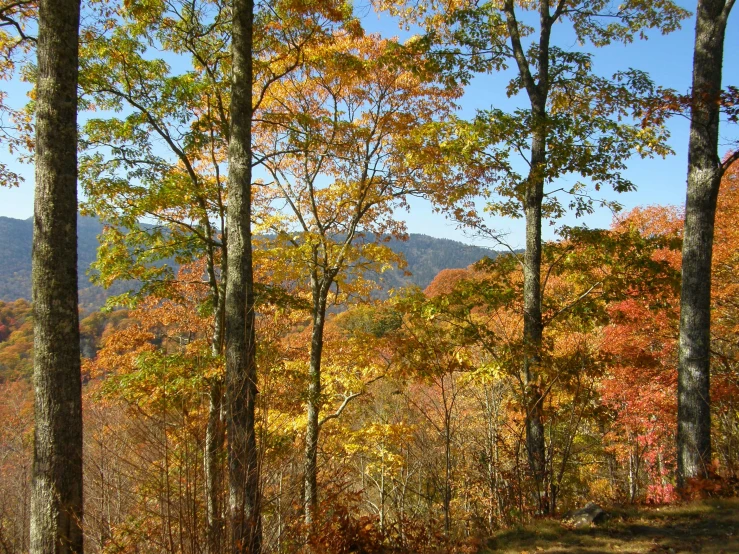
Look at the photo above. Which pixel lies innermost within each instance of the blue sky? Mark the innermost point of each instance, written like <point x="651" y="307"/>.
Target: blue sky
<point x="668" y="59"/>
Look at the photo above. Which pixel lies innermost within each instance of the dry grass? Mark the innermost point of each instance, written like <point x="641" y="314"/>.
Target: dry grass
<point x="710" y="526"/>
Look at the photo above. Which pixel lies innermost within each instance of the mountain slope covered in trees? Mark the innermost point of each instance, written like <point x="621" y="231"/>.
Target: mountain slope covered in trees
<point x="426" y="256"/>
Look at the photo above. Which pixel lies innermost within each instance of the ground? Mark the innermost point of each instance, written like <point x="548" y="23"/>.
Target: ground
<point x="709" y="526"/>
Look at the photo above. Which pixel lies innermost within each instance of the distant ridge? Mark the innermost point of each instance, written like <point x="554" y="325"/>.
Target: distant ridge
<point x="16" y="236"/>
<point x="426" y="256"/>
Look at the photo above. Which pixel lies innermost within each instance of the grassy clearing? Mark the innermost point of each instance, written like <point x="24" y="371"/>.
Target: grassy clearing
<point x="710" y="526"/>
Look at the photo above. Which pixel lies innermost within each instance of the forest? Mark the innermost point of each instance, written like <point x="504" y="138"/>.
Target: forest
<point x="261" y="379"/>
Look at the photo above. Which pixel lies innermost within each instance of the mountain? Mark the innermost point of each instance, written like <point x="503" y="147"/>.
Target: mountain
<point x="426" y="256"/>
<point x="15" y="253"/>
<point x="16" y="237"/>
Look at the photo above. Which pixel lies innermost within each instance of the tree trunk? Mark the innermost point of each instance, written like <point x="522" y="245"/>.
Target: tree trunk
<point x="704" y="179"/>
<point x="56" y="501"/>
<point x="533" y="196"/>
<point x="214" y="440"/>
<point x="241" y="386"/>
<point x="215" y="436"/>
<point x="447" y="477"/>
<point x="532" y="326"/>
<point x="310" y="499"/>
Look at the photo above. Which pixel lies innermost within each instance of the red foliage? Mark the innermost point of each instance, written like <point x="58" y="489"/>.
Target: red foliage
<point x="641" y="385"/>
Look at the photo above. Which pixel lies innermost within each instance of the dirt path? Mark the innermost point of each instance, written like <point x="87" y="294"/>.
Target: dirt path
<point x="711" y="527"/>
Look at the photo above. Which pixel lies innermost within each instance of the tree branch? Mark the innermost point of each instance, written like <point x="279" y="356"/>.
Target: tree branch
<point x="347" y="400"/>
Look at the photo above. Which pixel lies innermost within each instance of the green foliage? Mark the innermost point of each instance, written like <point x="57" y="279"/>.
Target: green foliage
<point x="160" y="382"/>
<point x="368" y="320"/>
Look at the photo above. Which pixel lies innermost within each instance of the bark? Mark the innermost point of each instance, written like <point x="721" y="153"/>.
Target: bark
<point x="447" y="477"/>
<point x="310" y="498"/>
<point x="704" y="178"/>
<point x="241" y="386"/>
<point x="214" y="441"/>
<point x="215" y="435"/>
<point x="56" y="501"/>
<point x="533" y="327"/>
<point x="533" y="196"/>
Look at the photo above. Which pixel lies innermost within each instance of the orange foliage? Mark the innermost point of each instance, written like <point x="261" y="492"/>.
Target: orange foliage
<point x="445" y="280"/>
<point x="16" y="340"/>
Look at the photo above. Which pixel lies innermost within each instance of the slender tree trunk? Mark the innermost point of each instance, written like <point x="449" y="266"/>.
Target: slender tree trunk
<point x="533" y="196"/>
<point x="241" y="386"/>
<point x="704" y="179"/>
<point x="532" y="325"/>
<point x="215" y="432"/>
<point x="310" y="499"/>
<point x="447" y="477"/>
<point x="214" y="442"/>
<point x="382" y="488"/>
<point x="56" y="501"/>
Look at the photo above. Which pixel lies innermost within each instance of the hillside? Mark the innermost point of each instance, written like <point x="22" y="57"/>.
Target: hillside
<point x="709" y="526"/>
<point x="426" y="256"/>
<point x="15" y="250"/>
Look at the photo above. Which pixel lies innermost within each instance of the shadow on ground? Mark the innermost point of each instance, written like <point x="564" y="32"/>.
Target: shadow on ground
<point x="710" y="526"/>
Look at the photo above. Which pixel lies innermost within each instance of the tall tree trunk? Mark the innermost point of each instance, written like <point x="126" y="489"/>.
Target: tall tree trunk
<point x="532" y="323"/>
<point x="310" y="498"/>
<point x="533" y="196"/>
<point x="241" y="386"/>
<point x="56" y="501"/>
<point x="704" y="179"/>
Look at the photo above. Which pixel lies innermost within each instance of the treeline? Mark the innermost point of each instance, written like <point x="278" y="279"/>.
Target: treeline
<point x="424" y="257"/>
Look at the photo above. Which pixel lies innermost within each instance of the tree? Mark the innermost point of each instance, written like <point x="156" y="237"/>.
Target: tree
<point x="239" y="322"/>
<point x="640" y="346"/>
<point x="576" y="123"/>
<point x="127" y="176"/>
<point x="56" y="505"/>
<point x="157" y="368"/>
<point x="16" y="428"/>
<point x="16" y="340"/>
<point x="344" y="125"/>
<point x="585" y="275"/>
<point x="435" y="354"/>
<point x="705" y="170"/>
